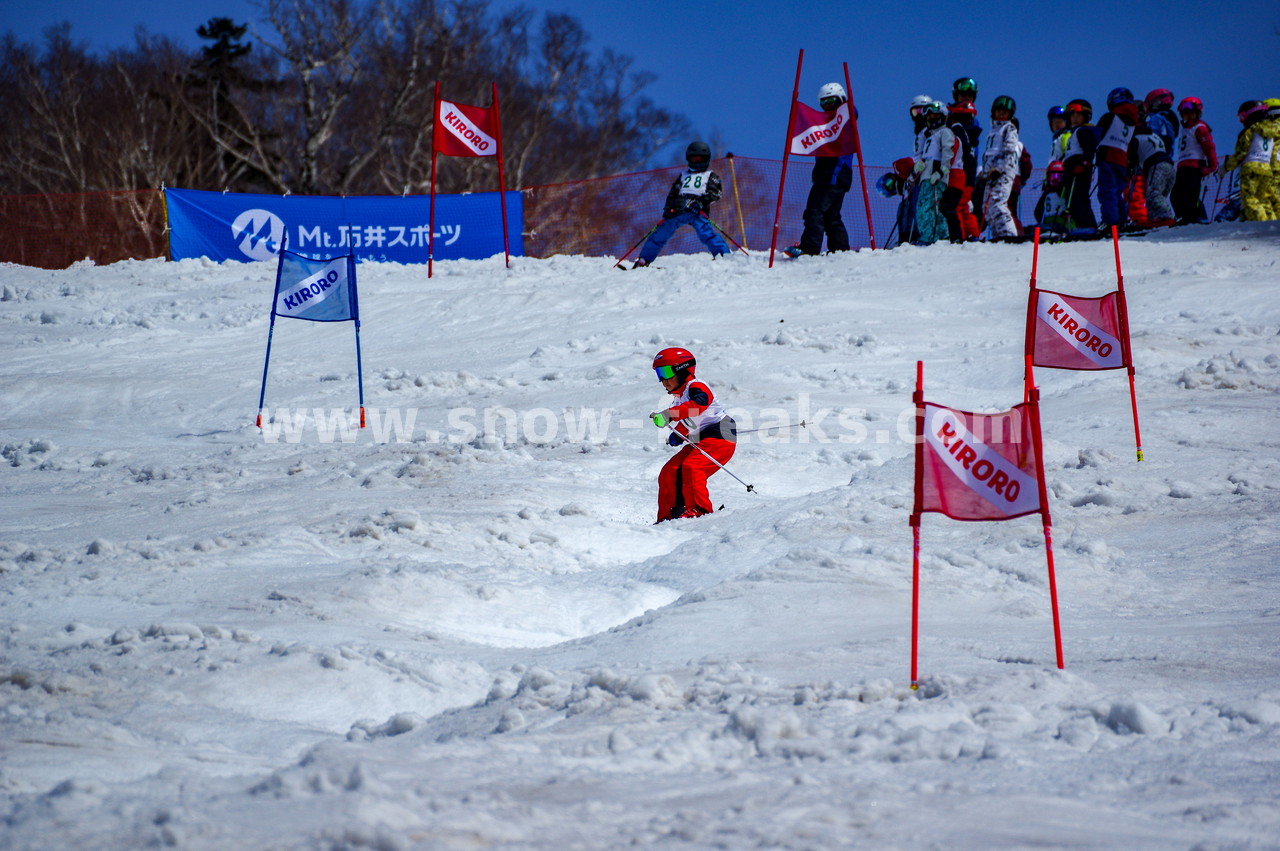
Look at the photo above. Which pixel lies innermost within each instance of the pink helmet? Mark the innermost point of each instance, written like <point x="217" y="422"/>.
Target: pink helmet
<point x="1251" y="110"/>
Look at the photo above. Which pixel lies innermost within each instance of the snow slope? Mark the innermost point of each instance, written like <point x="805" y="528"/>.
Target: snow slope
<point x="465" y="633"/>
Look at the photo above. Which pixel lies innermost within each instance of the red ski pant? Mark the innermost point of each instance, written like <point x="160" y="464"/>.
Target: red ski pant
<point x="968" y="221"/>
<point x="683" y="480"/>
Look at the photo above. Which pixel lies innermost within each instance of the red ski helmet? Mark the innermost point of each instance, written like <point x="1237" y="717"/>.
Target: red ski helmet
<point x="1158" y="99"/>
<point x="674" y="362"/>
<point x="1053" y="175"/>
<point x="1191" y="103"/>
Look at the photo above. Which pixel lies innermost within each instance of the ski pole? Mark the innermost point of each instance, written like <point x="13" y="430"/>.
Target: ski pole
<point x="888" y="239"/>
<point x="725" y="235"/>
<point x="637" y="245"/>
<point x="800" y="424"/>
<point x="1217" y="194"/>
<point x="750" y="488"/>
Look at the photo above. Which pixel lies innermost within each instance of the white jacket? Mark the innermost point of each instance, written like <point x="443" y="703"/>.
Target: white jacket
<point x="1003" y="149"/>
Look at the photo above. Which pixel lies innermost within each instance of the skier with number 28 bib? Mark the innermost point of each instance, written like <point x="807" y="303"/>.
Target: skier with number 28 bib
<point x="702" y="429"/>
<point x="688" y="202"/>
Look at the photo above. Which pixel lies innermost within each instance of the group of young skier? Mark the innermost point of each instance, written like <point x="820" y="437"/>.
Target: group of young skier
<point x="1145" y="163"/>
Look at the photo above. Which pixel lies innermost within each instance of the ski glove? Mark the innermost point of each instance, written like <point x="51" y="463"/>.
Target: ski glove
<point x="693" y="205"/>
<point x="673" y="439"/>
<point x="659" y="418"/>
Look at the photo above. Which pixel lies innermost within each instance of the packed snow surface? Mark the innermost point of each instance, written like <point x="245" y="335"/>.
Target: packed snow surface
<point x="458" y="628"/>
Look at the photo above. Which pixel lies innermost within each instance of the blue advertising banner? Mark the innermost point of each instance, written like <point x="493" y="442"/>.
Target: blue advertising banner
<point x="245" y="227"/>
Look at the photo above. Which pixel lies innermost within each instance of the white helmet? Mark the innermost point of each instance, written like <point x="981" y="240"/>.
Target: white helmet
<point x="921" y="100"/>
<point x="832" y="90"/>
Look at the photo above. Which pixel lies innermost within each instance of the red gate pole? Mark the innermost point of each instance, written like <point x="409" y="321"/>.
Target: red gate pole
<point x="1125" y="343"/>
<point x="1033" y="409"/>
<point x="1028" y="349"/>
<point x="431" y="225"/>
<point x="786" y="151"/>
<point x="862" y="172"/>
<point x="1035" y="257"/>
<point x="502" y="183"/>
<point x="916" y="512"/>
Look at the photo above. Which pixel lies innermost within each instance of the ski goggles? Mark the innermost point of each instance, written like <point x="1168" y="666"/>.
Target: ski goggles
<point x="918" y="111"/>
<point x="665" y="372"/>
<point x="829" y="104"/>
<point x="698" y="159"/>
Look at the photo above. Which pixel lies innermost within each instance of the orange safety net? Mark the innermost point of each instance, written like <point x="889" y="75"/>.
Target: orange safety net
<point x="602" y="217"/>
<point x="607" y="216"/>
<point x="54" y="231"/>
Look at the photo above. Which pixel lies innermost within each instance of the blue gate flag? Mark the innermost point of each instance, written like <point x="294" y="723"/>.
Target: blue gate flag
<point x="320" y="290"/>
<point x="382" y="228"/>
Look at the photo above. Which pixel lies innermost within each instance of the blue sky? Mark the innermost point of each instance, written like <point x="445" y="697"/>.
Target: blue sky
<point x="730" y="66"/>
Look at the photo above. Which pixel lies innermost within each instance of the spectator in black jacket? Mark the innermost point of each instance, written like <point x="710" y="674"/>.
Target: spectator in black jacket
<point x="832" y="177"/>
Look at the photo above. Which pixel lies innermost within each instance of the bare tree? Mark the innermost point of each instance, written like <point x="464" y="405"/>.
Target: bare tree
<point x="47" y="143"/>
<point x="335" y="98"/>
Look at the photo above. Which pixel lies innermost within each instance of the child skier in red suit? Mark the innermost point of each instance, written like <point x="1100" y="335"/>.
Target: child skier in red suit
<point x="700" y="426"/>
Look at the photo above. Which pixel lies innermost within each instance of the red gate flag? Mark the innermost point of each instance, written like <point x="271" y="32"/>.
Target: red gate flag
<point x="978" y="466"/>
<point x="815" y="133"/>
<point x="465" y="131"/>
<point x="1078" y="332"/>
<point x="1075" y="332"/>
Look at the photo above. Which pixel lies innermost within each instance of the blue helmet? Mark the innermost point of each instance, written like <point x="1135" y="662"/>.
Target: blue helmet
<point x="1118" y="96"/>
<point x="889" y="185"/>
